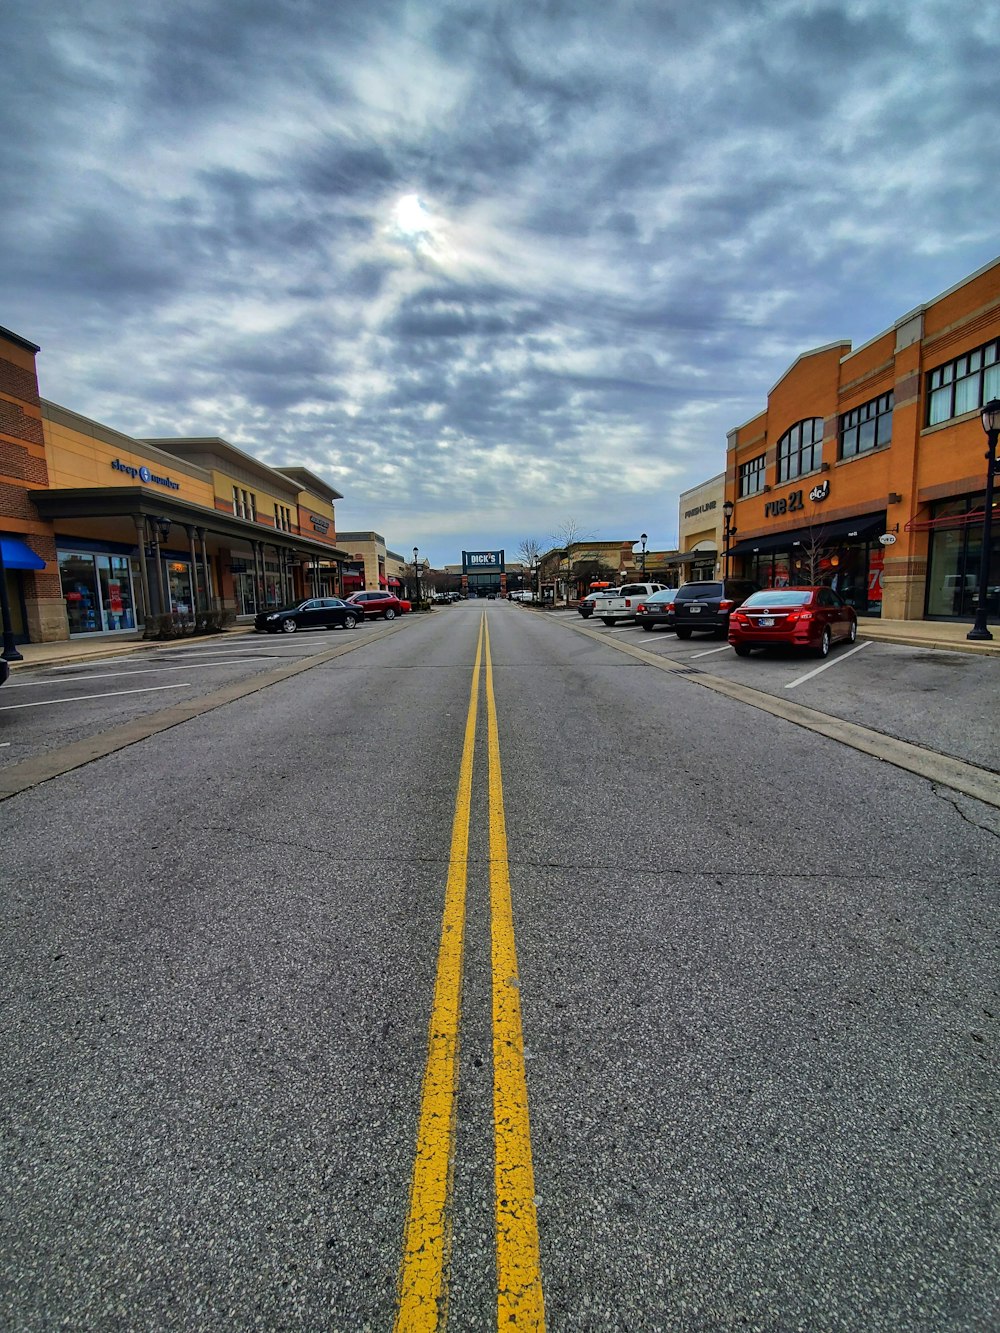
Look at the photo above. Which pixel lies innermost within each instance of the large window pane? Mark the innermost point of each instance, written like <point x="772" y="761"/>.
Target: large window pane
<point x="967" y="395"/>
<point x="79" y="588"/>
<point x="940" y="406"/>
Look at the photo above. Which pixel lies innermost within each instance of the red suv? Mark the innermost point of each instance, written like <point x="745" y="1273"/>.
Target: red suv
<point x="371" y="604"/>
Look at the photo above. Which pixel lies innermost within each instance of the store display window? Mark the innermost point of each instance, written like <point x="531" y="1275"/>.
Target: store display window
<point x="98" y="592"/>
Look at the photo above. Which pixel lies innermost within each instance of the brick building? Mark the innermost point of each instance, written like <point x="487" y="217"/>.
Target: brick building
<point x="866" y="469"/>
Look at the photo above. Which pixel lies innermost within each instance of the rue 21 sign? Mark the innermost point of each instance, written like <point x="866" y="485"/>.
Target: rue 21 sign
<point x="795" y="500"/>
<point x="482" y="561"/>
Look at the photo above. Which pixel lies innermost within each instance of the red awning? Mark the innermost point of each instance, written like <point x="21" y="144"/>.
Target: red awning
<point x="382" y="582"/>
<point x="395" y="583"/>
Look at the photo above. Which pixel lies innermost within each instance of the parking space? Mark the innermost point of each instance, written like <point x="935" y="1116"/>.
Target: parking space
<point x="933" y="698"/>
<point x="49" y="705"/>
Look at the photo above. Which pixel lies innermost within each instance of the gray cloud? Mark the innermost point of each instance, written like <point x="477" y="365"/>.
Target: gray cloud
<point x="468" y="259"/>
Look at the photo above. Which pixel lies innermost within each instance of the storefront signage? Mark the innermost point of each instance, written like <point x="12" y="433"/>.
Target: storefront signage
<point x="483" y="559"/>
<point x="701" y="509"/>
<point x="795" y="500"/>
<point x="888" y="539"/>
<point x="786" y="505"/>
<point x="320" y="524"/>
<point x="144" y="475"/>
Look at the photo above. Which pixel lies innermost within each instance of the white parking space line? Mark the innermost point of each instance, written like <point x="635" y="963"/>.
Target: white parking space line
<point x="105" y="661"/>
<point x="831" y="661"/>
<point x="139" y="671"/>
<point x="709" y="651"/>
<point x="113" y="694"/>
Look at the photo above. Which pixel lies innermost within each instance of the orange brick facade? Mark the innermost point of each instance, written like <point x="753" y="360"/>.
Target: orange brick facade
<point x="913" y="477"/>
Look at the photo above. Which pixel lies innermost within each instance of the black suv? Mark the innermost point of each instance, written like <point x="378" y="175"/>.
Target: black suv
<point x="707" y="604"/>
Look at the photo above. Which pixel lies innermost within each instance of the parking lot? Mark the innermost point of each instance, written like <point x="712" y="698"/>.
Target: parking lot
<point x="929" y="697"/>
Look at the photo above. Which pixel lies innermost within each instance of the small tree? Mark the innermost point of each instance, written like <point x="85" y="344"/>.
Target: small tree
<point x="812" y="551"/>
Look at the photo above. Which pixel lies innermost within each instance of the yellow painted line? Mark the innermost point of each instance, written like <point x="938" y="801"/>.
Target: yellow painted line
<point x="422" y="1303"/>
<point x="519" y="1275"/>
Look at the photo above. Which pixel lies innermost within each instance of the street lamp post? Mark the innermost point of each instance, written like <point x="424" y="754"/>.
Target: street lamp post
<point x="416" y="579"/>
<point x="991" y="425"/>
<point x="728" y="534"/>
<point x="643" y="538"/>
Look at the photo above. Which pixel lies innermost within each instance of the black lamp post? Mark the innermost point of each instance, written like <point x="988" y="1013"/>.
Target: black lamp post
<point x="991" y="425"/>
<point x="728" y="534"/>
<point x="416" y="579"/>
<point x="643" y="538"/>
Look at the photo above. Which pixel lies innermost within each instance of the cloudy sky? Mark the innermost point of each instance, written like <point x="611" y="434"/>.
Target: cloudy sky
<point x="489" y="268"/>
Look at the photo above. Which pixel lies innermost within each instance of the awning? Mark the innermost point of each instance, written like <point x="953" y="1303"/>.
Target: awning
<point x="395" y="583"/>
<point x="18" y="555"/>
<point x="686" y="557"/>
<point x="823" y="534"/>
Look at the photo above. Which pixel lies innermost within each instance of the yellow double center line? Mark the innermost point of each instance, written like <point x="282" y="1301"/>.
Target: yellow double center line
<point x="423" y="1285"/>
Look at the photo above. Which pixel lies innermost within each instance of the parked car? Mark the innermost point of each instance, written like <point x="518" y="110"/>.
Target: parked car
<point x="708" y="604"/>
<point x="812" y="618"/>
<point x="619" y="604"/>
<point x="313" y="613"/>
<point x="371" y="604"/>
<point x="405" y="605"/>
<point x="656" y="609"/>
<point x="586" y="605"/>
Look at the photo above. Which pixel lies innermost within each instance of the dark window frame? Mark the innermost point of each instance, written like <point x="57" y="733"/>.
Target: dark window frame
<point x="798" y="456"/>
<point x="867" y="428"/>
<point x="966" y="375"/>
<point x="751" y="476"/>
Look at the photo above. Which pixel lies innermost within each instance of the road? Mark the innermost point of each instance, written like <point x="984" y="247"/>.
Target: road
<point x="500" y="964"/>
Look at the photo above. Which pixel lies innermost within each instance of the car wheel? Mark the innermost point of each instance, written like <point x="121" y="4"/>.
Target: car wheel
<point x="682" y="632"/>
<point x="741" y="649"/>
<point x="349" y="622"/>
<point x="390" y="613"/>
<point x="648" y="629"/>
<point x="852" y="633"/>
<point x="289" y="626"/>
<point x="824" y="644"/>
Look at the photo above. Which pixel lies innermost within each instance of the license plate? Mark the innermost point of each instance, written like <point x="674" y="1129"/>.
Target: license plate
<point x="765" y="622"/>
<point x="695" y="610"/>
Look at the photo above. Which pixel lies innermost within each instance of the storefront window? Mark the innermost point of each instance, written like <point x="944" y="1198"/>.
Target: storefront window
<point x="179" y="586"/>
<point x="953" y="574"/>
<point x="118" y="610"/>
<point x="78" y="577"/>
<point x="98" y="590"/>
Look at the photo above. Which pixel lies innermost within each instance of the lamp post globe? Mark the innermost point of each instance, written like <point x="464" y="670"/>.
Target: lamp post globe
<point x="991" y="425"/>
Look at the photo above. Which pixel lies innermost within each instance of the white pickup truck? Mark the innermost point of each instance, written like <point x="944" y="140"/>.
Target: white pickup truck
<point x="621" y="604"/>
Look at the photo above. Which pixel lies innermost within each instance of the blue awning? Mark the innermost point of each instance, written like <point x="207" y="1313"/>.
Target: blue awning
<point x="18" y="555"/>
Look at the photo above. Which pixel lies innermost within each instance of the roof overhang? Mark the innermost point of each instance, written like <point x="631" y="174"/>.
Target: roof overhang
<point x="138" y="502"/>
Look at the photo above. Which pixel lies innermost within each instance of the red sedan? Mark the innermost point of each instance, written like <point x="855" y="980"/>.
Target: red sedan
<point x="812" y="618"/>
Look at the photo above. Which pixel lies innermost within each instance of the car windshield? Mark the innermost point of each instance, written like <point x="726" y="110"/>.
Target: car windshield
<point x="696" y="591"/>
<point x="779" y="597"/>
<point x="664" y="595"/>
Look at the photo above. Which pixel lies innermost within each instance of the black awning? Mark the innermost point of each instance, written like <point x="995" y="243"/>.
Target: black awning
<point x="823" y="534"/>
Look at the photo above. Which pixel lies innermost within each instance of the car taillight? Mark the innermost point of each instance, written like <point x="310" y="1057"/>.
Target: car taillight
<point x="640" y="607"/>
<point x="669" y="607"/>
<point x="740" y="618"/>
<point x="726" y="604"/>
<point x="794" y="616"/>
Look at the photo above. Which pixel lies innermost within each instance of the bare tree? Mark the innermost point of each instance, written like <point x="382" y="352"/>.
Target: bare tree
<point x="529" y="551"/>
<point x="812" y="550"/>
<point x="565" y="537"/>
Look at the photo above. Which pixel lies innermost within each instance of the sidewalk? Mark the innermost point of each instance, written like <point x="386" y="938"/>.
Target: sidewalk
<point x="912" y="633"/>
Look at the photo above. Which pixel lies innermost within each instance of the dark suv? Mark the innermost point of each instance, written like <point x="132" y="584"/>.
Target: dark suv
<point x="707" y="604"/>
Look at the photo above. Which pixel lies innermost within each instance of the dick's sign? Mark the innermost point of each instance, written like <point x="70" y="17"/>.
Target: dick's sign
<point x="482" y="562"/>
